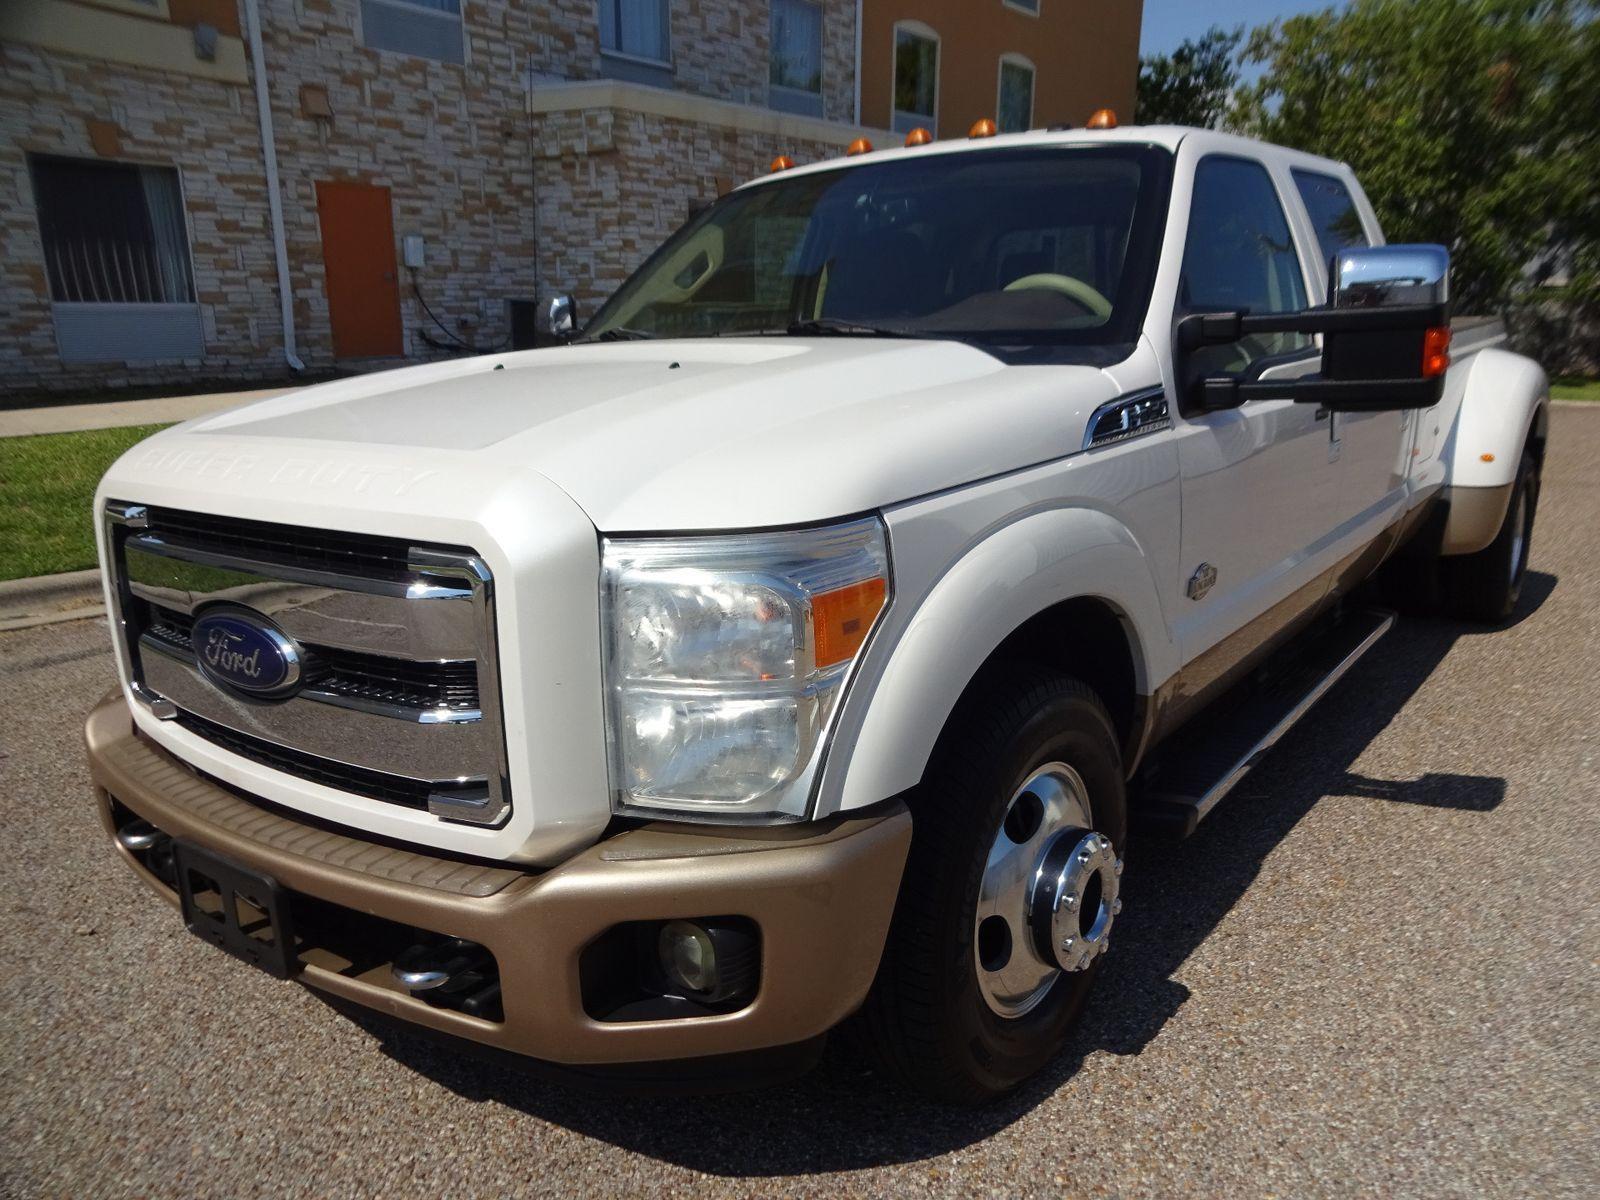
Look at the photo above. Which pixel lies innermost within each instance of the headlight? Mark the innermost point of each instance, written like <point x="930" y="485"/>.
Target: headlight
<point x="725" y="660"/>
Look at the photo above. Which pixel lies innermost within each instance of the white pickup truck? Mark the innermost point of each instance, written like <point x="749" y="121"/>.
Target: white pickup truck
<point x="802" y="640"/>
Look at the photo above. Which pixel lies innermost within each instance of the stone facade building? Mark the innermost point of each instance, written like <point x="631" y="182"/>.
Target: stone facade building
<point x="440" y="166"/>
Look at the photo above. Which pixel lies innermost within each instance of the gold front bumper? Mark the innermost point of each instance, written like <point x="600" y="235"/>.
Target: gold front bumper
<point x="822" y="895"/>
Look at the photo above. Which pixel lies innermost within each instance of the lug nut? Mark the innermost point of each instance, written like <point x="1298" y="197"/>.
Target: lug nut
<point x="1116" y="907"/>
<point x="1119" y="866"/>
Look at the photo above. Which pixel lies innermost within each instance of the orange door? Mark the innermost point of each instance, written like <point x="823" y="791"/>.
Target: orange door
<point x="363" y="283"/>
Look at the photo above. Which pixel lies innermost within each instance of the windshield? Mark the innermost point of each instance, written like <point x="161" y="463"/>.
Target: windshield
<point x="1053" y="244"/>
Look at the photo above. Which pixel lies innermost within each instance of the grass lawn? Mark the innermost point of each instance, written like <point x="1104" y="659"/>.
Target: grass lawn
<point x="46" y="492"/>
<point x="1572" y="388"/>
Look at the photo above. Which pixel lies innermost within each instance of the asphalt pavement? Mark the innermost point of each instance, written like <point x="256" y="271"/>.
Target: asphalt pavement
<point x="1375" y="970"/>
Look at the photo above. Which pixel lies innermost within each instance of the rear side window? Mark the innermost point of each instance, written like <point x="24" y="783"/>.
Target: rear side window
<point x="1333" y="212"/>
<point x="1239" y="255"/>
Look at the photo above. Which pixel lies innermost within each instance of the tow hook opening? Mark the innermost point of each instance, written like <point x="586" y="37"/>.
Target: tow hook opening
<point x="451" y="973"/>
<point x="150" y="847"/>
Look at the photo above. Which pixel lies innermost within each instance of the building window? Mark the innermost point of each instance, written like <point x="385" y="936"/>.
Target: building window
<point x="116" y="254"/>
<point x="636" y="28"/>
<point x="916" y="77"/>
<point x="1015" y="103"/>
<point x="796" y="56"/>
<point x="425" y="28"/>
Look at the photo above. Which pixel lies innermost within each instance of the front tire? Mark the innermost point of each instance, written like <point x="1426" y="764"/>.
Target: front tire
<point x="972" y="997"/>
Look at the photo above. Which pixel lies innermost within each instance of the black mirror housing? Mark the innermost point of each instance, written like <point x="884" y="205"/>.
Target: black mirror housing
<point x="1386" y="336"/>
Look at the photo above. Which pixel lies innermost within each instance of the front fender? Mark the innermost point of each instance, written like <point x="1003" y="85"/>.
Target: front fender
<point x="1505" y="396"/>
<point x="914" y="675"/>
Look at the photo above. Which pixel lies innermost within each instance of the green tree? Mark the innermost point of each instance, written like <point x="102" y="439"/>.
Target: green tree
<point x="1192" y="85"/>
<point x="1475" y="123"/>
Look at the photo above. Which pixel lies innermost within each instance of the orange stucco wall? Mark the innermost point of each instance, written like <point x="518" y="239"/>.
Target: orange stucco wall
<point x="1085" y="55"/>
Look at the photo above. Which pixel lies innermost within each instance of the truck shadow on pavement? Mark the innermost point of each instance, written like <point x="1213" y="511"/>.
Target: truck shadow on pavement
<point x="842" y="1117"/>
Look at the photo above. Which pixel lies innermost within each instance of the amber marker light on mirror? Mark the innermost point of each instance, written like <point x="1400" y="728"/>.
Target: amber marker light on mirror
<point x="843" y="617"/>
<point x="782" y="163"/>
<point x="918" y="137"/>
<point x="859" y="146"/>
<point x="1103" y="118"/>
<point x="1436" y="352"/>
<point x="983" y="128"/>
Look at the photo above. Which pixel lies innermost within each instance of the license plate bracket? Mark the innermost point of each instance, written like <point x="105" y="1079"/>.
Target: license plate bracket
<point x="263" y="935"/>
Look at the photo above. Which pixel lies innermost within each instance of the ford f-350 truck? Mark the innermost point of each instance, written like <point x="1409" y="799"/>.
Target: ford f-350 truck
<point x="802" y="640"/>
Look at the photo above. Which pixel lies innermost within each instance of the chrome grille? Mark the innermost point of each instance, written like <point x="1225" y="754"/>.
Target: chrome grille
<point x="399" y="696"/>
<point x="297" y="546"/>
<point x="451" y="684"/>
<point x="391" y="789"/>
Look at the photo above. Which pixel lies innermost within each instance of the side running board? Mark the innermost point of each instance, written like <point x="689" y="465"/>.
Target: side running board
<point x="1205" y="761"/>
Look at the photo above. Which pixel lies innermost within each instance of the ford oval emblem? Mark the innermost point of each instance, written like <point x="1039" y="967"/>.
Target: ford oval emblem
<point x="239" y="649"/>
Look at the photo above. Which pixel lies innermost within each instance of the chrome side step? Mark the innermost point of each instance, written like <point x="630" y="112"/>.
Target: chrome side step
<point x="1207" y="760"/>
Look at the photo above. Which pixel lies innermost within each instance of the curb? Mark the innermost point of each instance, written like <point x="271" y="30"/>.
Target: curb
<point x="47" y="599"/>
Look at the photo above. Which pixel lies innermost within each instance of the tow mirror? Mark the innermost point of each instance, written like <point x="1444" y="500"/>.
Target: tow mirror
<point x="1386" y="336"/>
<point x="561" y="318"/>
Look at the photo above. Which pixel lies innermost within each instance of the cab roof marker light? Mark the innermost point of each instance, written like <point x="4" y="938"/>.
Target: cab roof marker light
<point x="919" y="137"/>
<point x="859" y="146"/>
<point x="1102" y="118"/>
<point x="782" y="163"/>
<point x="982" y="128"/>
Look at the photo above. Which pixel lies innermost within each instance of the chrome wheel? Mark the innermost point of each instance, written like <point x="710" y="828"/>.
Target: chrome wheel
<point x="1049" y="893"/>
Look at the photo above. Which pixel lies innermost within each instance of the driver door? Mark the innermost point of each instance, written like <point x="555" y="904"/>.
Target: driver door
<point x="1259" y="484"/>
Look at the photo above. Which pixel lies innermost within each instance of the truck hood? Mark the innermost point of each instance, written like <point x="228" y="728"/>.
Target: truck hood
<point x="702" y="434"/>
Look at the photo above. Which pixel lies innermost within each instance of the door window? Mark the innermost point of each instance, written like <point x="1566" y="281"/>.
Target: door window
<point x="1239" y="255"/>
<point x="1333" y="213"/>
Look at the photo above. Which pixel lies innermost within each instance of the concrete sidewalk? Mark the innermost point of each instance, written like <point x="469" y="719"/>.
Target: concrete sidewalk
<point x="71" y="418"/>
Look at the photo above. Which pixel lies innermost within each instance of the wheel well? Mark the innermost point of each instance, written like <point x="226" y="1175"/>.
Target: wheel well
<point x="1084" y="637"/>
<point x="1537" y="433"/>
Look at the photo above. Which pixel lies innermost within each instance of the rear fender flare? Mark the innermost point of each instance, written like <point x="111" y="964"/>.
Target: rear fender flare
<point x="1504" y="401"/>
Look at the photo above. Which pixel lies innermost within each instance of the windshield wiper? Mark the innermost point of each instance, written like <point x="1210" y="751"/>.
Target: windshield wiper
<point x="836" y="327"/>
<point x="620" y="333"/>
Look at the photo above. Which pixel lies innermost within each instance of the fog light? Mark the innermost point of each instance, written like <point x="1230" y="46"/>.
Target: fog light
<point x="688" y="956"/>
<point x="709" y="960"/>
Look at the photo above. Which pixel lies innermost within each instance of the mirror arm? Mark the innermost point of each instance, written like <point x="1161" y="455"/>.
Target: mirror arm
<point x="1218" y="393"/>
<point x="1225" y="328"/>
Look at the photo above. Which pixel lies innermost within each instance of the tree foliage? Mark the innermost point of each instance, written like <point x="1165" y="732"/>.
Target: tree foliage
<point x="1470" y="122"/>
<point x="1193" y="84"/>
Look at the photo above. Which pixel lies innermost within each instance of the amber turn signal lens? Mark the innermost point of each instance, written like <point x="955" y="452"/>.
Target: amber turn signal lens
<point x="1436" y="352"/>
<point x="1103" y="118"/>
<point x="782" y="163"/>
<point x="859" y="146"/>
<point x="918" y="137"/>
<point x="843" y="617"/>
<point x="982" y="128"/>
